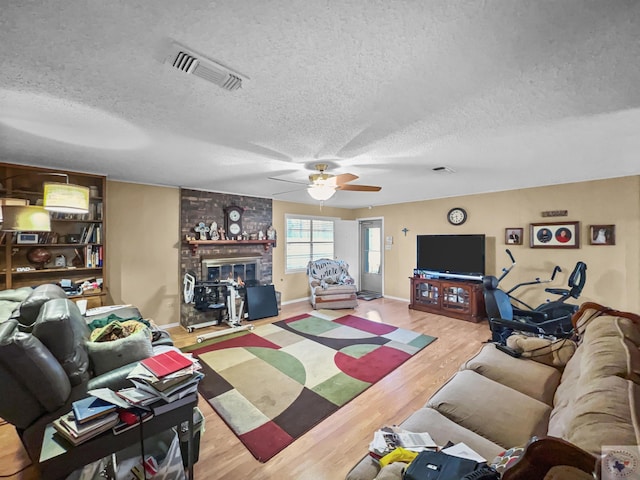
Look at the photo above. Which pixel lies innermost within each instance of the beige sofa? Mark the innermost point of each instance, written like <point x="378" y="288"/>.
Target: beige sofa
<point x="496" y="402"/>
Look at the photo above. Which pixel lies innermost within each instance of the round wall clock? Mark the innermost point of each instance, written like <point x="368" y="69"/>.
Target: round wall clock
<point x="233" y="220"/>
<point x="457" y="216"/>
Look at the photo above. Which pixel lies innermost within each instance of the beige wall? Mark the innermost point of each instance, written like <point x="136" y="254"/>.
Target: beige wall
<point x="143" y="249"/>
<point x="143" y="241"/>
<point x="613" y="272"/>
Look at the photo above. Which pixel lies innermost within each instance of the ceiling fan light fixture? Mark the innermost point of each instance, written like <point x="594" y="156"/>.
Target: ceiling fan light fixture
<point x="321" y="192"/>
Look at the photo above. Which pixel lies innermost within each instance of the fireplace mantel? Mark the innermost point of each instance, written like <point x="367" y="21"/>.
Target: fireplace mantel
<point x="194" y="244"/>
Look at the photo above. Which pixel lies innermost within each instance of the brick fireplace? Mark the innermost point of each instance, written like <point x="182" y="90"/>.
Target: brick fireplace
<point x="219" y="262"/>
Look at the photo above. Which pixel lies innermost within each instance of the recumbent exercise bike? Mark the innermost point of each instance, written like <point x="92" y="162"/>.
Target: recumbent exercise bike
<point x="552" y="318"/>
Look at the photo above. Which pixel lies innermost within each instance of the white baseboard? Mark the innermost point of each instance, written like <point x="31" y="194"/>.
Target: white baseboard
<point x="169" y="325"/>
<point x="296" y="300"/>
<point x="397" y="298"/>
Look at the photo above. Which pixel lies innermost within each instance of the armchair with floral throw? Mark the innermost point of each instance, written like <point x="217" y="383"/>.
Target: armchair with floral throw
<point x="331" y="285"/>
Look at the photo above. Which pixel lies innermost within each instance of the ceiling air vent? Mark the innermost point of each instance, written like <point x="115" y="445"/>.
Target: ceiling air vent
<point x="192" y="63"/>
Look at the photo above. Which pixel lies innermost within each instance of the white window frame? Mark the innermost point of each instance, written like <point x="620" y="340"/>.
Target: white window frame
<point x="290" y="216"/>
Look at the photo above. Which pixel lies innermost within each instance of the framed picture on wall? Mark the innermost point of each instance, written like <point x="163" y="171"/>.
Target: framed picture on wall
<point x="602" y="234"/>
<point x="554" y="235"/>
<point x="513" y="236"/>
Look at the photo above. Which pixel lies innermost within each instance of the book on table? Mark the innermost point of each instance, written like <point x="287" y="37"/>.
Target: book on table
<point x="137" y="396"/>
<point x="189" y="385"/>
<point x="81" y="429"/>
<point x="77" y="433"/>
<point x="166" y="363"/>
<point x="90" y="408"/>
<point x="140" y="372"/>
<point x="171" y="381"/>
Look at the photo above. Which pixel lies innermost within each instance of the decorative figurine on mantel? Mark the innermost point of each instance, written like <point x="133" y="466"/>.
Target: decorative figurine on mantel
<point x="222" y="233"/>
<point x="214" y="231"/>
<point x="201" y="229"/>
<point x="260" y="235"/>
<point x="271" y="233"/>
<point x="245" y="235"/>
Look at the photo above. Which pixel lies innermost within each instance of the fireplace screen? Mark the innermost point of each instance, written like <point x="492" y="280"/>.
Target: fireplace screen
<point x="242" y="270"/>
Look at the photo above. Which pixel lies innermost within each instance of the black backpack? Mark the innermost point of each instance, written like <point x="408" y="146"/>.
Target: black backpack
<point x="430" y="465"/>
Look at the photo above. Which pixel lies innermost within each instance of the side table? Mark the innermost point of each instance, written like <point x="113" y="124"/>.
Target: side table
<point x="58" y="458"/>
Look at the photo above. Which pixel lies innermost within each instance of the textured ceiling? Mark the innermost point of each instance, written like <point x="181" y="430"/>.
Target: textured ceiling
<point x="509" y="93"/>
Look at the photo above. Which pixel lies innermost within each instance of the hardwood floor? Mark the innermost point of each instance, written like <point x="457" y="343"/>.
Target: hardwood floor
<point x="330" y="449"/>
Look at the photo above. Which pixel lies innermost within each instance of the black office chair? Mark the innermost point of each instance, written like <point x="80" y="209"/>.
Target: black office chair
<point x="503" y="322"/>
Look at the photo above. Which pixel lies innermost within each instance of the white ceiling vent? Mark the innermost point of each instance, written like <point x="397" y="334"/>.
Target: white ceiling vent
<point x="188" y="61"/>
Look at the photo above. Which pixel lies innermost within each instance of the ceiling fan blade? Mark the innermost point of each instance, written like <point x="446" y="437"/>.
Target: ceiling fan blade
<point x="343" y="178"/>
<point x="288" y="181"/>
<point x="359" y="188"/>
<point x="287" y="191"/>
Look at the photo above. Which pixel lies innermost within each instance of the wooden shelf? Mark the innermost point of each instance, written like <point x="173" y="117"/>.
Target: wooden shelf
<point x="75" y="221"/>
<point x="57" y="270"/>
<point x="52" y="245"/>
<point x="85" y="295"/>
<point x="194" y="244"/>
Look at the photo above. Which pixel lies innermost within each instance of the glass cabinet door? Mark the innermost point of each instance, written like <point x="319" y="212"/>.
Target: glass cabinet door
<point x="427" y="293"/>
<point x="455" y="297"/>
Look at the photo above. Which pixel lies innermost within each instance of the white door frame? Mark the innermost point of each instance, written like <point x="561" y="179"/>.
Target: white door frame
<point x="382" y="255"/>
<point x="345" y="249"/>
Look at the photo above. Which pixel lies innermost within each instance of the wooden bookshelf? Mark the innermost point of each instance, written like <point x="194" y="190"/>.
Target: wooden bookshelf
<point x="73" y="236"/>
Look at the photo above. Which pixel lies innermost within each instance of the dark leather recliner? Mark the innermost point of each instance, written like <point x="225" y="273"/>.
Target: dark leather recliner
<point x="45" y="365"/>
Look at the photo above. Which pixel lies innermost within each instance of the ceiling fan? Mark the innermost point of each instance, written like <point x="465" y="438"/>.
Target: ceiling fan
<point x="322" y="185"/>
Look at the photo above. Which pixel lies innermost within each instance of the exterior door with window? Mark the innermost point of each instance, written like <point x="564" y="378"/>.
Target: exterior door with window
<point x="371" y="256"/>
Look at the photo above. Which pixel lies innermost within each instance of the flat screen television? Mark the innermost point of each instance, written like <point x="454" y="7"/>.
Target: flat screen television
<point x="451" y="254"/>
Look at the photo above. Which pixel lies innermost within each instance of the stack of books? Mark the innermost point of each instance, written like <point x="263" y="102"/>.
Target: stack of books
<point x="163" y="378"/>
<point x="88" y="418"/>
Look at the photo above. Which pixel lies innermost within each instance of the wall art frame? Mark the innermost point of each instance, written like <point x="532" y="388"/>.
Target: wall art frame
<point x="554" y="235"/>
<point x="513" y="236"/>
<point x="602" y="234"/>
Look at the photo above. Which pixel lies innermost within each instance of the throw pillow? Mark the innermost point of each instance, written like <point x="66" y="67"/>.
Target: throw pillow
<point x="555" y="353"/>
<point x="115" y="330"/>
<point x="107" y="356"/>
<point x="507" y="458"/>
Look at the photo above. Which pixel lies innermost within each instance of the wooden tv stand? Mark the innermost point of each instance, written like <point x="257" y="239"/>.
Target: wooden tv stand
<point x="453" y="298"/>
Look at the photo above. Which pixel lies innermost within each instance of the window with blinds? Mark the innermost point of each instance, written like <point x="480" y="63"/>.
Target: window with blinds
<point x="307" y="239"/>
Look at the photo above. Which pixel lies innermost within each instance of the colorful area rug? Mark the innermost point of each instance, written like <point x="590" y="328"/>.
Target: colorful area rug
<point x="273" y="384"/>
